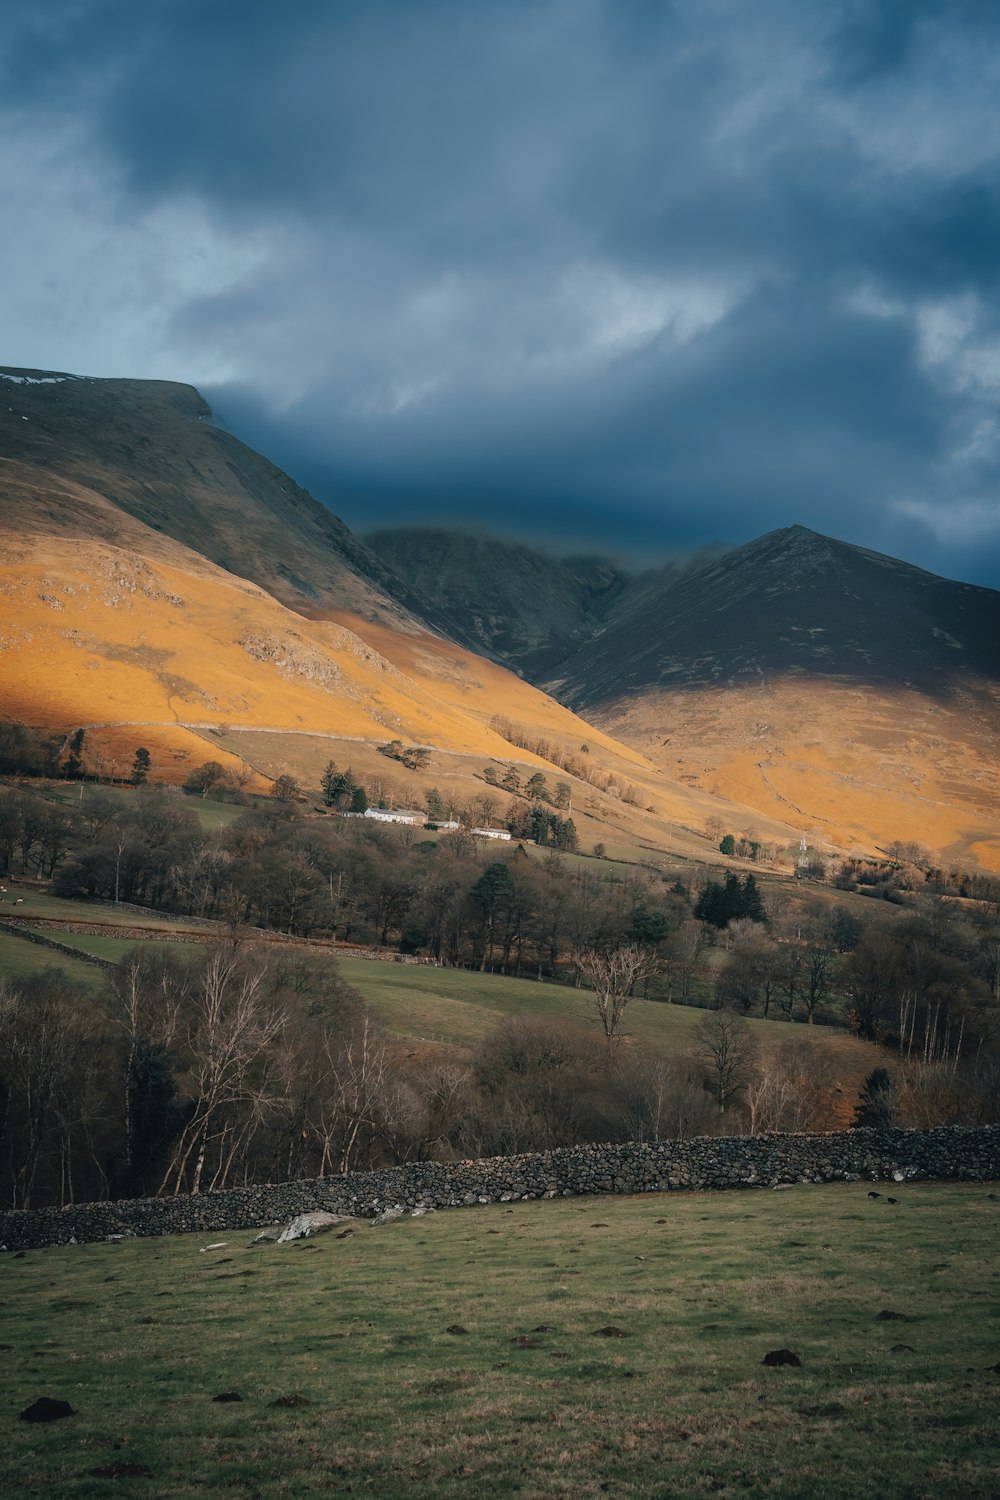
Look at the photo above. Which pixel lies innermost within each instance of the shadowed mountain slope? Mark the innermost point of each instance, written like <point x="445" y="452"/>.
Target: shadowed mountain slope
<point x="792" y="603"/>
<point x="151" y="449"/>
<point x="815" y="680"/>
<point x="505" y="600"/>
<point x="516" y="604"/>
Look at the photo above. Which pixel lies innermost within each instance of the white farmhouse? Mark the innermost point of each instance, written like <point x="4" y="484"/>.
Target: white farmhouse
<point x="397" y="815"/>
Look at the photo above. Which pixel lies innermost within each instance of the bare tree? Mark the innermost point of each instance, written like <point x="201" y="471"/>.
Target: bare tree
<point x="659" y="1100"/>
<point x="356" y="1080"/>
<point x="727" y="1043"/>
<point x="143" y="1003"/>
<point x="231" y="1028"/>
<point x="613" y="977"/>
<point x="792" y="1089"/>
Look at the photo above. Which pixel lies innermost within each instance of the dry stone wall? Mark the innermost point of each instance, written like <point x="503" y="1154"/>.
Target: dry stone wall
<point x="969" y="1153"/>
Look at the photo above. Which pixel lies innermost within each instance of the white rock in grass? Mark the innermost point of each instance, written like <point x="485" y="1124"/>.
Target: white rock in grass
<point x="388" y="1215"/>
<point x="304" y="1225"/>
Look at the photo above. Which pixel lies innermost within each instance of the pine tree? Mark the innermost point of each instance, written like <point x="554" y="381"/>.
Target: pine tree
<point x="140" y="766"/>
<point x="877" y="1108"/>
<point x="753" y="903"/>
<point x="436" y="809"/>
<point x="74" y="760"/>
<point x="328" y="783"/>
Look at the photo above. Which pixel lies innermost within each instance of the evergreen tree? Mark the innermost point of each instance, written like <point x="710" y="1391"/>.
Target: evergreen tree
<point x="338" y="786"/>
<point x="539" y="826"/>
<point x="140" y="766"/>
<point x="647" y="926"/>
<point x="359" y="800"/>
<point x="728" y="845"/>
<point x="753" y="904"/>
<point x="74" y="760"/>
<point x="436" y="810"/>
<point x="329" y="783"/>
<point x="721" y="904"/>
<point x="877" y="1108"/>
<point x="566" y="836"/>
<point x="493" y="893"/>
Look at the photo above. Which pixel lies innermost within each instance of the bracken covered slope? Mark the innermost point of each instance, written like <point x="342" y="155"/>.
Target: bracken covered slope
<point x="160" y="584"/>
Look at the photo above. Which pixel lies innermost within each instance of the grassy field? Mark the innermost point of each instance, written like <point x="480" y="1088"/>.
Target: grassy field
<point x="457" y="1005"/>
<point x="36" y="903"/>
<point x="211" y="814"/>
<point x="115" y="948"/>
<point x="569" y="1348"/>
<point x="23" y="960"/>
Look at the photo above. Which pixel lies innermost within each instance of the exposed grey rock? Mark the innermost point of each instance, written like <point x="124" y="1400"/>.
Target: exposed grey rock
<point x="388" y="1216"/>
<point x="305" y="1225"/>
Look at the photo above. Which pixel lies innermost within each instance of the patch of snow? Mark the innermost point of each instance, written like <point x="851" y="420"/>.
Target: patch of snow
<point x="36" y="379"/>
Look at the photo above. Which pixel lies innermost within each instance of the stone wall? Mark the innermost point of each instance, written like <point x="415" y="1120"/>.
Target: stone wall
<point x="968" y="1153"/>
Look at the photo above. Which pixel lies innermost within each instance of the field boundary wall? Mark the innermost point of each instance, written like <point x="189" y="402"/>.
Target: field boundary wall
<point x="969" y="1153"/>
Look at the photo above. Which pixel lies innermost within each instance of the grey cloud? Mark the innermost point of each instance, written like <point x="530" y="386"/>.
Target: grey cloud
<point x="618" y="270"/>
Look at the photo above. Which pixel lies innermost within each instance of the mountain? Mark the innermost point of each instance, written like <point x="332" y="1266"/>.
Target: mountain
<point x="510" y="602"/>
<point x="166" y="586"/>
<point x="793" y="603"/>
<point x="151" y="449"/>
<point x="815" y="680"/>
<point x="517" y="604"/>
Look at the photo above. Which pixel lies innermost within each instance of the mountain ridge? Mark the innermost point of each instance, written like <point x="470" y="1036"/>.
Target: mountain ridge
<point x="151" y="448"/>
<point x="157" y="571"/>
<point x="133" y="608"/>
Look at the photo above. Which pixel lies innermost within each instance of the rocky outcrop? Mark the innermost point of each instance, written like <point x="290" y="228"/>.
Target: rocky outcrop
<point x="967" y="1153"/>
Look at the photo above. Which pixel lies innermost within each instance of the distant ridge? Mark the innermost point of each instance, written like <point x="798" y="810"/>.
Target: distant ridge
<point x="518" y="604"/>
<point x="511" y="602"/>
<point x="815" y="680"/>
<point x="793" y="603"/>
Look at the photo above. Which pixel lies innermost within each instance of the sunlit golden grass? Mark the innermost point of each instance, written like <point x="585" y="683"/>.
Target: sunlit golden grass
<point x="469" y="1352"/>
<point x="156" y="647"/>
<point x="860" y="766"/>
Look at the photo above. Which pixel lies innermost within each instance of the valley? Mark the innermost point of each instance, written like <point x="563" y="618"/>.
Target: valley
<point x="160" y="579"/>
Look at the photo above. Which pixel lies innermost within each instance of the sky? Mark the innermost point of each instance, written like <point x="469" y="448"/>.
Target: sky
<point x="623" y="274"/>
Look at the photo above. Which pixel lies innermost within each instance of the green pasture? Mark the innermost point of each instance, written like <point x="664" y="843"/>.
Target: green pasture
<point x="20" y="959"/>
<point x="115" y="948"/>
<point x="570" y="1348"/>
<point x="462" y="1006"/>
<point x="35" y="903"/>
<point x="210" y="814"/>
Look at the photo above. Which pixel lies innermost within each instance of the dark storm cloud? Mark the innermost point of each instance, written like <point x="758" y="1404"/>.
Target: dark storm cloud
<point x="636" y="273"/>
